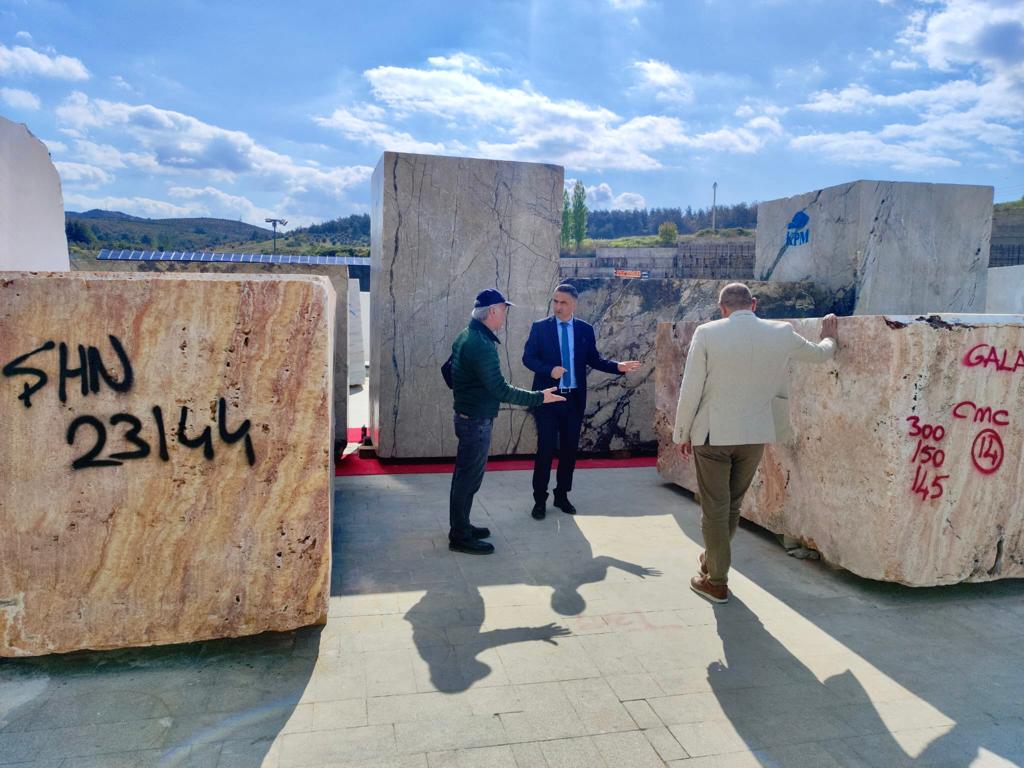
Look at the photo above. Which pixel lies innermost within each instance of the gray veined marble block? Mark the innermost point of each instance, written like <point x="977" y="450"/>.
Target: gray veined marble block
<point x="882" y="246"/>
<point x="443" y="229"/>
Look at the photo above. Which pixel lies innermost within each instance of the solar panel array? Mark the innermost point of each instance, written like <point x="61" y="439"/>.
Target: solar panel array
<point x="240" y="258"/>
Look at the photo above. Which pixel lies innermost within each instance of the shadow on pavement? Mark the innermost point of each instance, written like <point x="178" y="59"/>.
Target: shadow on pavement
<point x="197" y="704"/>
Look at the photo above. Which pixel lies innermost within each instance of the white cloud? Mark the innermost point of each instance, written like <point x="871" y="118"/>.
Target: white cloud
<point x="84" y="174"/>
<point x="601" y="196"/>
<point x="966" y="32"/>
<point x="463" y="62"/>
<point x="865" y="148"/>
<point x="23" y="35"/>
<point x="135" y="206"/>
<point x="220" y="204"/>
<point x="376" y="132"/>
<point x="22" y="61"/>
<point x="123" y="84"/>
<point x="55" y="146"/>
<point x="170" y="142"/>
<point x="521" y="123"/>
<point x="976" y="117"/>
<point x="627" y="5"/>
<point x="19" y="99"/>
<point x="668" y="84"/>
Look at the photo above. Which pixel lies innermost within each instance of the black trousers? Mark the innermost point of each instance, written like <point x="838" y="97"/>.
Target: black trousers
<point x="558" y="426"/>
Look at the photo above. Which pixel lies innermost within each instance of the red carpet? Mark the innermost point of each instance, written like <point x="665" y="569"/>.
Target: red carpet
<point x="353" y="465"/>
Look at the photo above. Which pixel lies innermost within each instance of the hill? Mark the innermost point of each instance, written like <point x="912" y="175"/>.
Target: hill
<point x="113" y="229"/>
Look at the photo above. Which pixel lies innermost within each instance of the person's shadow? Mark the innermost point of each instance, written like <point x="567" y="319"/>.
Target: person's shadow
<point x="569" y="564"/>
<point x="451" y="648"/>
<point x="799" y="719"/>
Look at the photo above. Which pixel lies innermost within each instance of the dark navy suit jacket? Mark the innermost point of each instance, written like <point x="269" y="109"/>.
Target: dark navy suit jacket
<point x="543" y="352"/>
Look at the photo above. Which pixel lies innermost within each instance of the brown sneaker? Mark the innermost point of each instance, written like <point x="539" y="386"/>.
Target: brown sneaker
<point x="703" y="567"/>
<point x="716" y="593"/>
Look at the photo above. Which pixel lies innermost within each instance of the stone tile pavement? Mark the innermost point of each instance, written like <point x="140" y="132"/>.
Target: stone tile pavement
<point x="577" y="644"/>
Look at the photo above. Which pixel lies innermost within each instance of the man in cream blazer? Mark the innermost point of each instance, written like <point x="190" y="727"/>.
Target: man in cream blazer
<point x="735" y="368"/>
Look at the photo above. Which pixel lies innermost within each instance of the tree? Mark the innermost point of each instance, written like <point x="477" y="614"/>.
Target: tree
<point x="579" y="213"/>
<point x="566" y="219"/>
<point x="78" y="232"/>
<point x="668" y="233"/>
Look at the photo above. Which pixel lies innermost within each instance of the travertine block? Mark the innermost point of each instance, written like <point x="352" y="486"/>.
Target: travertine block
<point x="625" y="315"/>
<point x="443" y="229"/>
<point x="166" y="458"/>
<point x="905" y="463"/>
<point x="882" y="246"/>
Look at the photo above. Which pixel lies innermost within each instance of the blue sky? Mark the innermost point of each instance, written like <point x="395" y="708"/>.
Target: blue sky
<point x="250" y="110"/>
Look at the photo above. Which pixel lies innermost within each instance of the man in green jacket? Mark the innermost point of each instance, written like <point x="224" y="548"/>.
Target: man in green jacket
<point x="479" y="386"/>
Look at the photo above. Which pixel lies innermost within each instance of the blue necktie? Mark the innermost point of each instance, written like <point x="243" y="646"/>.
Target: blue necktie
<point x="566" y="360"/>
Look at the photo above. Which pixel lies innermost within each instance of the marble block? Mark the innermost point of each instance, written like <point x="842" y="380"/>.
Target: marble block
<point x="356" y="347"/>
<point x="625" y="315"/>
<point x="166" y="458"/>
<point x="442" y="230"/>
<point x="882" y="246"/>
<point x="905" y="459"/>
<point x="1005" y="294"/>
<point x="31" y="204"/>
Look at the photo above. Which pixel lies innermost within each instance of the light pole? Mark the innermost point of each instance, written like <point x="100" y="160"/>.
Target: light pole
<point x="714" y="199"/>
<point x="274" y="223"/>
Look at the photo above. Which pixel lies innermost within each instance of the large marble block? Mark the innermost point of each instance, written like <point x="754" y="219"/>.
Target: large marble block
<point x="356" y="347"/>
<point x="31" y="203"/>
<point x="882" y="246"/>
<point x="166" y="458"/>
<point x="1005" y="290"/>
<point x="337" y="274"/>
<point x="905" y="459"/>
<point x="443" y="229"/>
<point x="625" y="315"/>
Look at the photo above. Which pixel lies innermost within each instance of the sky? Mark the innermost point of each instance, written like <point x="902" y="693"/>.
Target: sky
<point x="255" y="110"/>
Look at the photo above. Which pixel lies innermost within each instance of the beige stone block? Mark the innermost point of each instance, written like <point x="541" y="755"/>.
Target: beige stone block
<point x="166" y="458"/>
<point x="444" y="229"/>
<point x="905" y="462"/>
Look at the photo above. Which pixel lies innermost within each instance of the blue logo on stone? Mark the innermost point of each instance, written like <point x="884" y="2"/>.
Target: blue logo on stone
<point x="797" y="232"/>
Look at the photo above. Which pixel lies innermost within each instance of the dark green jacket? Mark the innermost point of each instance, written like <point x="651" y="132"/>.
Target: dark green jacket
<point x="476" y="375"/>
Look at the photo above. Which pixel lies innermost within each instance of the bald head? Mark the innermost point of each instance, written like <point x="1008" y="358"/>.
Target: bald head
<point x="736" y="296"/>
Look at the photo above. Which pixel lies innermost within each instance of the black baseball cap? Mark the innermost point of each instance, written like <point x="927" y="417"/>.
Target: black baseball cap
<point x="490" y="297"/>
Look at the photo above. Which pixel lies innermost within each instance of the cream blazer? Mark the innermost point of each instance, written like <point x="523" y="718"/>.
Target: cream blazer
<point x="735" y="370"/>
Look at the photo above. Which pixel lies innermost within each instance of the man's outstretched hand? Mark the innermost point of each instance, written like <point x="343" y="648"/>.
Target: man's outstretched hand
<point x="830" y="327"/>
<point x="628" y="366"/>
<point x="551" y="397"/>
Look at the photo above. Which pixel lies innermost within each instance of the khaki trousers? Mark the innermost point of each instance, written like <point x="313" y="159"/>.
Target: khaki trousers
<point x="724" y="473"/>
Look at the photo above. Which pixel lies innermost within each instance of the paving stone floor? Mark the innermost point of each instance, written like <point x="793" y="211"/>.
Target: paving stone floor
<point x="577" y="644"/>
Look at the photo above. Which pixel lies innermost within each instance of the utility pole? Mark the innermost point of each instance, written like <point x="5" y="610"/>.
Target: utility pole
<point x="274" y="223"/>
<point x="714" y="199"/>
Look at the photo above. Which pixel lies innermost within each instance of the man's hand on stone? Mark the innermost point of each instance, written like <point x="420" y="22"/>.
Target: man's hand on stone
<point x="686" y="450"/>
<point x="830" y="327"/>
<point x="628" y="366"/>
<point x="551" y="397"/>
<point x="557" y="372"/>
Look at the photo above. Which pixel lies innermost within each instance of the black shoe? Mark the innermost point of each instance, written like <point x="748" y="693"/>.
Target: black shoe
<point x="480" y="533"/>
<point x="540" y="509"/>
<point x="563" y="503"/>
<point x="474" y="547"/>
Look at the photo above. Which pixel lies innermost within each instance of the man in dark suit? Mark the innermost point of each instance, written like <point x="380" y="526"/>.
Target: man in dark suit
<point x="560" y="349"/>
